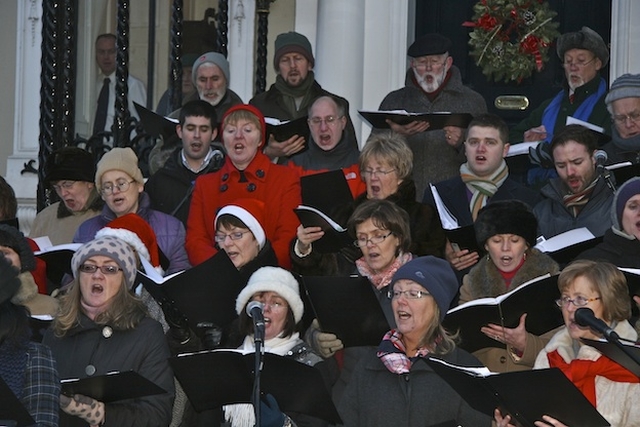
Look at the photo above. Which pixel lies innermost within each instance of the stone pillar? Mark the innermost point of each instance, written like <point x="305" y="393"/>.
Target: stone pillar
<point x="241" y="47"/>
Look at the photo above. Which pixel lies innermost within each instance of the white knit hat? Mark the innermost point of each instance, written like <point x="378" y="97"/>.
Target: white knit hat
<point x="251" y="213"/>
<point x="274" y="279"/>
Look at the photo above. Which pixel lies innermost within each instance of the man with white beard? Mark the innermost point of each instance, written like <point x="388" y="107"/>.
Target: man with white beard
<point x="433" y="84"/>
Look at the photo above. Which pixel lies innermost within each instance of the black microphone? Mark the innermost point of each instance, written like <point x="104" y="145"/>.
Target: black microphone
<point x="601" y="157"/>
<point x="254" y="310"/>
<point x="584" y="317"/>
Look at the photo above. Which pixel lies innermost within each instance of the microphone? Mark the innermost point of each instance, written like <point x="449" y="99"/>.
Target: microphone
<point x="584" y="317"/>
<point x="254" y="310"/>
<point x="601" y="157"/>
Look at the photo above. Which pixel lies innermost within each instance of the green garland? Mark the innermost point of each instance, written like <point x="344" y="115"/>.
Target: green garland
<point x="511" y="38"/>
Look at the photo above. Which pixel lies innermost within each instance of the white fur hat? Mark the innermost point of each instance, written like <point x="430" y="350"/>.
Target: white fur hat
<point x="274" y="279"/>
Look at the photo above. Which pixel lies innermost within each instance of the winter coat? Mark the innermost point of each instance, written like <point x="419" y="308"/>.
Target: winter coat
<point x="616" y="249"/>
<point x="170" y="232"/>
<point x="142" y="349"/>
<point x="60" y="224"/>
<point x="617" y="402"/>
<point x="277" y="186"/>
<point x="484" y="280"/>
<point x="599" y="115"/>
<point x="427" y="237"/>
<point x="434" y="160"/>
<point x="554" y="218"/>
<point x="172" y="185"/>
<point x="377" y="397"/>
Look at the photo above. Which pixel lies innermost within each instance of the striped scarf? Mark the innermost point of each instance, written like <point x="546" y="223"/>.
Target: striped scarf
<point x="393" y="353"/>
<point x="576" y="201"/>
<point x="482" y="189"/>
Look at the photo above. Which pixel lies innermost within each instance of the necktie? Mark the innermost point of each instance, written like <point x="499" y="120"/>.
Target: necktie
<point x="103" y="104"/>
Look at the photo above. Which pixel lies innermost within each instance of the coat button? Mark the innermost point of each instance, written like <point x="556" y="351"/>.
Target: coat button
<point x="503" y="359"/>
<point x="223" y="188"/>
<point x="225" y="177"/>
<point x="251" y="188"/>
<point x="260" y="173"/>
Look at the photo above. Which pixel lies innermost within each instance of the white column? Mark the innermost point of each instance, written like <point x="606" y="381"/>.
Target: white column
<point x="625" y="38"/>
<point x="241" y="48"/>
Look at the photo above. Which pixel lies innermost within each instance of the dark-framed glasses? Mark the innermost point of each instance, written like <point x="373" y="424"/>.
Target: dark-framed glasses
<point x="361" y="242"/>
<point x="219" y="238"/>
<point x="410" y="294"/>
<point x="121" y="185"/>
<point x="105" y="269"/>
<point x="578" y="301"/>
<point x="63" y="185"/>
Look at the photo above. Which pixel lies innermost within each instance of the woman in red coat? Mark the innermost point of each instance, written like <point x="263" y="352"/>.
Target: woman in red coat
<point x="247" y="173"/>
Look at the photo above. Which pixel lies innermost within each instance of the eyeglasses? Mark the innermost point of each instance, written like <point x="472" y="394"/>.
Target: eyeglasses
<point x="578" y="301"/>
<point x="63" y="185"/>
<point x="423" y="63"/>
<point x="274" y="306"/>
<point x="121" y="185"/>
<point x="361" y="242"/>
<point x="621" y="119"/>
<point x="410" y="294"/>
<point x="329" y="120"/>
<point x="579" y="64"/>
<point x="105" y="269"/>
<point x="219" y="238"/>
<point x="377" y="172"/>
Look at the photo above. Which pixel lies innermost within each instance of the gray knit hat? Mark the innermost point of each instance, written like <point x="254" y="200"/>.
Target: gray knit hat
<point x="292" y="42"/>
<point x="122" y="159"/>
<point x="625" y="86"/>
<point x="273" y="279"/>
<point x="112" y="247"/>
<point x="11" y="237"/>
<point x="586" y="39"/>
<point x="211" y="58"/>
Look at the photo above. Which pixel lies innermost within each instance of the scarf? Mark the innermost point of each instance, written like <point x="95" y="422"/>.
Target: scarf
<point x="242" y="414"/>
<point x="393" y="353"/>
<point x="382" y="279"/>
<point x="482" y="189"/>
<point x="629" y="145"/>
<point x="343" y="155"/>
<point x="576" y="201"/>
<point x="583" y="373"/>
<point x="290" y="94"/>
<point x="550" y="114"/>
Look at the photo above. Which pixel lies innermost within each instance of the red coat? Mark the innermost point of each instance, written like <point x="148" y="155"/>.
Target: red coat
<point x="277" y="186"/>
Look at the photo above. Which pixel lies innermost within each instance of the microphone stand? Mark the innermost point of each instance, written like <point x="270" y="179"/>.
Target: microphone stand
<point x="606" y="175"/>
<point x="258" y="340"/>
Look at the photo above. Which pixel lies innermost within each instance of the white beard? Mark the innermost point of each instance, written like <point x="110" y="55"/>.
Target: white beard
<point x="434" y="85"/>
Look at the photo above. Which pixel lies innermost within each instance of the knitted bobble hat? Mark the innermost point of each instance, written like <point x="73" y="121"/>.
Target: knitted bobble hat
<point x="625" y="86"/>
<point x="251" y="213"/>
<point x="112" y="247"/>
<point x="210" y="58"/>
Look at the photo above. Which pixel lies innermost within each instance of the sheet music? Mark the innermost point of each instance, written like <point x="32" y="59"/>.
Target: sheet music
<point x="449" y="222"/>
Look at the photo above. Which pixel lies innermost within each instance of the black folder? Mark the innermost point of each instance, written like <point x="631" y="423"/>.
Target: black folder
<point x="567" y="254"/>
<point x="154" y="124"/>
<point x="13" y="222"/>
<point x="333" y="239"/>
<point x="464" y="238"/>
<point x="624" y="173"/>
<point x="326" y="191"/>
<point x="536" y="298"/>
<point x="205" y="293"/>
<point x="437" y="120"/>
<point x="286" y="130"/>
<point x="616" y="354"/>
<point x="11" y="408"/>
<point x="215" y="378"/>
<point x="525" y="395"/>
<point x="58" y="261"/>
<point x="347" y="307"/>
<point x="112" y="387"/>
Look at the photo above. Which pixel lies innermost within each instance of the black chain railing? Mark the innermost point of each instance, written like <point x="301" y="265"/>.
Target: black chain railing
<point x="222" y="39"/>
<point x="175" y="75"/>
<point x="121" y="122"/>
<point x="262" y="9"/>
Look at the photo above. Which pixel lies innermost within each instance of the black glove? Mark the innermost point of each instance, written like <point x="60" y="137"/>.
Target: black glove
<point x="177" y="321"/>
<point x="541" y="155"/>
<point x="270" y="413"/>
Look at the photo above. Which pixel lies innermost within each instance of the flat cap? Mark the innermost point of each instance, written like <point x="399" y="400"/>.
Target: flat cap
<point x="429" y="44"/>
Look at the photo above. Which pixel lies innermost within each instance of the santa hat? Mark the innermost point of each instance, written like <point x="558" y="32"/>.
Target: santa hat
<point x="251" y="213"/>
<point x="136" y="232"/>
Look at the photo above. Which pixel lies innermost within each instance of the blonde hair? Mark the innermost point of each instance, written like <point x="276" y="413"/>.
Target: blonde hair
<point x="389" y="147"/>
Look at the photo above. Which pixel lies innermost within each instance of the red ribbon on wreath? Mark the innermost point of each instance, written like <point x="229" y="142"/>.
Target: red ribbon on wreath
<point x="531" y="45"/>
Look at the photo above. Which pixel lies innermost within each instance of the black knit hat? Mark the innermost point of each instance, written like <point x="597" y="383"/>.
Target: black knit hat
<point x="292" y="42"/>
<point x="70" y="163"/>
<point x="14" y="239"/>
<point x="9" y="281"/>
<point x="506" y="217"/>
<point x="429" y="44"/>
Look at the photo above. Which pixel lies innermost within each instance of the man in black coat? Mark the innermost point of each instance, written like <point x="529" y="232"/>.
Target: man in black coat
<point x="294" y="91"/>
<point x="483" y="179"/>
<point x="171" y="186"/>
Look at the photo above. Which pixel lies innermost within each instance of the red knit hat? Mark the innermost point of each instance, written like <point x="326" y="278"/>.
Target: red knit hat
<point x="136" y="232"/>
<point x="251" y="213"/>
<point x="253" y="110"/>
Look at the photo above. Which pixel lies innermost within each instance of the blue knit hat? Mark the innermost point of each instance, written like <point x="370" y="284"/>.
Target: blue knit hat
<point x="622" y="196"/>
<point x="433" y="274"/>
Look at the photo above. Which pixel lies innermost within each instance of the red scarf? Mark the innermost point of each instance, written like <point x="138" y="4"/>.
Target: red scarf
<point x="582" y="373"/>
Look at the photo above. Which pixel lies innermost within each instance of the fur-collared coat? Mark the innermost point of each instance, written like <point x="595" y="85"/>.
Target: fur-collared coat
<point x="617" y="402"/>
<point x="484" y="280"/>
